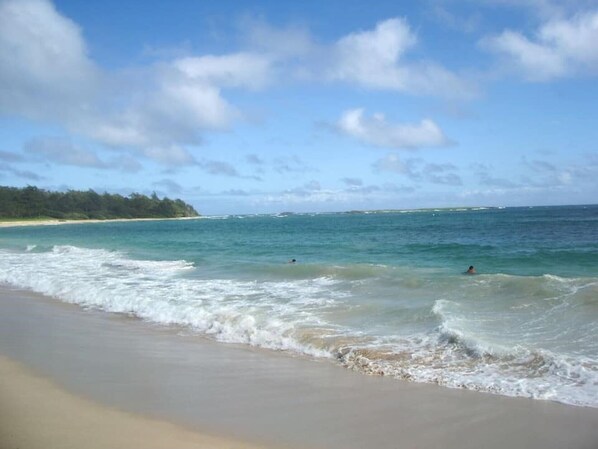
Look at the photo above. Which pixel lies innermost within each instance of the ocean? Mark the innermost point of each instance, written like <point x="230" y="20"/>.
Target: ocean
<point x="381" y="293"/>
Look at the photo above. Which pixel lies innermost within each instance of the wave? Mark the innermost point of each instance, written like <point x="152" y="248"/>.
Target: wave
<point x="453" y="355"/>
<point x="499" y="358"/>
<point x="263" y="314"/>
<point x="537" y="375"/>
<point x="453" y="330"/>
<point x="425" y="210"/>
<point x="312" y="310"/>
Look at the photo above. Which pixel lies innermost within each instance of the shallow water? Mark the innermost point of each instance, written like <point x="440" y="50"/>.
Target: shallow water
<point x="380" y="293"/>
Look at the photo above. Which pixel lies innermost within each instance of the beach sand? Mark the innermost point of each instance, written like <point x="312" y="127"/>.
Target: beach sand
<point x="36" y="414"/>
<point x="52" y="222"/>
<point x="118" y="375"/>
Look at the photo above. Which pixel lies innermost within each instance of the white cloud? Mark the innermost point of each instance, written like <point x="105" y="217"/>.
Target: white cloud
<point x="560" y="48"/>
<point x="376" y="131"/>
<point x="576" y="38"/>
<point x="375" y="59"/>
<point x="173" y="107"/>
<point x="536" y="62"/>
<point x="314" y="197"/>
<point x="167" y="111"/>
<point x="45" y="72"/>
<point x="158" y="111"/>
<point x="63" y="152"/>
<point x="393" y="164"/>
<point x="371" y="57"/>
<point x="237" y="70"/>
<point x="417" y="170"/>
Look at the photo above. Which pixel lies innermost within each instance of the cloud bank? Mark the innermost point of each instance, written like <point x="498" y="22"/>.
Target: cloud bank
<point x="161" y="110"/>
<point x="47" y="75"/>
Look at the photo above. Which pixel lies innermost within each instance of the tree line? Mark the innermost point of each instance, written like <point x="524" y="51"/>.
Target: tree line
<point x="31" y="202"/>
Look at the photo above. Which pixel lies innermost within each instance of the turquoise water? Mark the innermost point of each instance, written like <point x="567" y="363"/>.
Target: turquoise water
<point x="380" y="293"/>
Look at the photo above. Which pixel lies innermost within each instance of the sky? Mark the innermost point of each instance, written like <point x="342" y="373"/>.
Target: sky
<point x="241" y="107"/>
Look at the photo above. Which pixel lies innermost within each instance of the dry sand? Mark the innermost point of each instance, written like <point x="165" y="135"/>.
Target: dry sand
<point x="170" y="375"/>
<point x="52" y="222"/>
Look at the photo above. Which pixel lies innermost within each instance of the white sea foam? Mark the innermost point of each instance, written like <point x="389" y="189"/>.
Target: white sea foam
<point x="216" y="217"/>
<point x="539" y="375"/>
<point x="264" y="314"/>
<point x="505" y="361"/>
<point x="469" y="347"/>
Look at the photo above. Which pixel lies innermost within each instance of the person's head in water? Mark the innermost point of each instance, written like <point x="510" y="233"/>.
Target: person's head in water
<point x="292" y="260"/>
<point x="471" y="270"/>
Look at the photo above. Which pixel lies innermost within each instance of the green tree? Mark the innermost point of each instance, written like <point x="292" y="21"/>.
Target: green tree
<point x="30" y="202"/>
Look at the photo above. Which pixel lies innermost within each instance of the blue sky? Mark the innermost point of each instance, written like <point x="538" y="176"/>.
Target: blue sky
<point x="264" y="106"/>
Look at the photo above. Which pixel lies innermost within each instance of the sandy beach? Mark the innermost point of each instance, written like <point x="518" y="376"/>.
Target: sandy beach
<point x="117" y="377"/>
<point x="53" y="222"/>
<point x="35" y="413"/>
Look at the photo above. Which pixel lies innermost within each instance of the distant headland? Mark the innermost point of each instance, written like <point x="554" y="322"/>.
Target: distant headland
<point x="31" y="204"/>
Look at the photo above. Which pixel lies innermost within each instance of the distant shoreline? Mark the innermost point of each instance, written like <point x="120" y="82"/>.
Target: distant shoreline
<point x="52" y="222"/>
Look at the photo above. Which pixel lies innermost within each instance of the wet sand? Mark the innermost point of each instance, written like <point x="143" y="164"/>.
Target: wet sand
<point x="168" y="375"/>
<point x="36" y="414"/>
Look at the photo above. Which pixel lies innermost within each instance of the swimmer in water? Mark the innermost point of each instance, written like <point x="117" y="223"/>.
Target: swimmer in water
<point x="470" y="270"/>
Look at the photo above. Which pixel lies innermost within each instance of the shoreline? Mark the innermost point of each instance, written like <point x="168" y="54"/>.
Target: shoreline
<point x="252" y="395"/>
<point x="54" y="222"/>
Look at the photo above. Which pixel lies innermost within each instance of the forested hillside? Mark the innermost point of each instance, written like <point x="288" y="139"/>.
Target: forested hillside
<point x="31" y="202"/>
